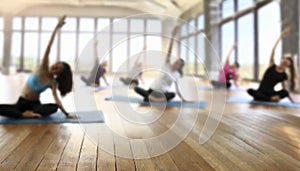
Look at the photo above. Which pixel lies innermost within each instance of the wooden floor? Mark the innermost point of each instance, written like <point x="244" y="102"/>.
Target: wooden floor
<point x="249" y="137"/>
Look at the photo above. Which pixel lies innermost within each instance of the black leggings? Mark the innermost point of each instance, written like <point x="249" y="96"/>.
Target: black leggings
<point x="16" y="110"/>
<point x="146" y="93"/>
<point x="266" y="96"/>
<point x="218" y="84"/>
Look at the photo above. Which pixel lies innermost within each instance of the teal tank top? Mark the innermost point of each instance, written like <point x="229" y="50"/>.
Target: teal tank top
<point x="35" y="84"/>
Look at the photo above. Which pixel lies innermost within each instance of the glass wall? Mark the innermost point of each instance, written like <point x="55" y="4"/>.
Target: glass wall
<point x="1" y="39"/>
<point x="30" y="37"/>
<point x="68" y="42"/>
<point x="268" y="36"/>
<point x="227" y="8"/>
<point x="268" y="17"/>
<point x="31" y="42"/>
<point x="16" y="47"/>
<point x="227" y="40"/>
<point x="192" y="45"/>
<point x="246" y="46"/>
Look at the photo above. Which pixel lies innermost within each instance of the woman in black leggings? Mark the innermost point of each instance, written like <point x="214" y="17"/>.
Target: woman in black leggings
<point x="274" y="74"/>
<point x="58" y="76"/>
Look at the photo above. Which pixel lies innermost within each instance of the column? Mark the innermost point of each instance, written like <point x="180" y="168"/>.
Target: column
<point x="7" y="62"/>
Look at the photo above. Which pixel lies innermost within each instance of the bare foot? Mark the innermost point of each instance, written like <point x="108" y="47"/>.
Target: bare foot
<point x="31" y="114"/>
<point x="275" y="98"/>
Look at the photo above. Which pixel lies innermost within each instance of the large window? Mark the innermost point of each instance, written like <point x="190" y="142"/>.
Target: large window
<point x="31" y="43"/>
<point x="243" y="4"/>
<point x="227" y="40"/>
<point x="227" y="8"/>
<point x="47" y="26"/>
<point x="1" y="39"/>
<point x="16" y="42"/>
<point x="267" y="36"/>
<point x="30" y="37"/>
<point x="246" y="46"/>
<point x="154" y="43"/>
<point x="242" y="26"/>
<point x="192" y="45"/>
<point x="201" y="41"/>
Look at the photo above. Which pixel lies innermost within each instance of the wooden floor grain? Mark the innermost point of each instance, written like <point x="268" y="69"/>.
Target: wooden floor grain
<point x="249" y="137"/>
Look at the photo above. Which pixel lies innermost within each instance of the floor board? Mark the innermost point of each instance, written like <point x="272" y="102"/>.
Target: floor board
<point x="249" y="137"/>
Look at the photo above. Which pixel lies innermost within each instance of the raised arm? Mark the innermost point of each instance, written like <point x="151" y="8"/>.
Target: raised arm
<point x="175" y="30"/>
<point x="45" y="61"/>
<point x="96" y="51"/>
<point x="284" y="33"/>
<point x="140" y="54"/>
<point x="229" y="54"/>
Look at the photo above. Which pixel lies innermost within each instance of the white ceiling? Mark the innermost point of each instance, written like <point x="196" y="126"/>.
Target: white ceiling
<point x="97" y="7"/>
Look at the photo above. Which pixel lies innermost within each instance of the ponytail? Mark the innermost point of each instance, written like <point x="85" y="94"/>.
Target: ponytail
<point x="65" y="80"/>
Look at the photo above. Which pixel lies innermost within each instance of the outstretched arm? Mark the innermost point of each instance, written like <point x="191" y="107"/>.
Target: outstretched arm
<point x="178" y="92"/>
<point x="171" y="44"/>
<point x="284" y="86"/>
<point x="284" y="33"/>
<point x="140" y="54"/>
<point x="105" y="80"/>
<point x="45" y="62"/>
<point x="58" y="102"/>
<point x="229" y="54"/>
<point x="96" y="51"/>
<point x="141" y="78"/>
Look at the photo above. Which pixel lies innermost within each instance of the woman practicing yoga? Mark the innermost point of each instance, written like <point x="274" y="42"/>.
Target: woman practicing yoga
<point x="158" y="90"/>
<point x="228" y="73"/>
<point x="97" y="72"/>
<point x="135" y="73"/>
<point x="58" y="76"/>
<point x="273" y="75"/>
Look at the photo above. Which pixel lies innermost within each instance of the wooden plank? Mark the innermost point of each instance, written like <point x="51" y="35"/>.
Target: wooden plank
<point x="54" y="152"/>
<point x="181" y="156"/>
<point x="34" y="156"/>
<point x="164" y="162"/>
<point x="71" y="152"/>
<point x="139" y="149"/>
<point x="106" y="159"/>
<point x="246" y="134"/>
<point x="275" y="136"/>
<point x="88" y="155"/>
<point x="4" y="129"/>
<point x="12" y="139"/>
<point x="123" y="149"/>
<point x="29" y="142"/>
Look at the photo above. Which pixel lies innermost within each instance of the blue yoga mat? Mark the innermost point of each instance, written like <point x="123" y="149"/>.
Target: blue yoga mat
<point x="58" y="117"/>
<point x="284" y="103"/>
<point x="212" y="88"/>
<point x="174" y="103"/>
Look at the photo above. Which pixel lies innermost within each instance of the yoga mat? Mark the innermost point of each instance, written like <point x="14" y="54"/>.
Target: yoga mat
<point x="283" y="103"/>
<point x="174" y="103"/>
<point x="230" y="89"/>
<point x="58" y="117"/>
